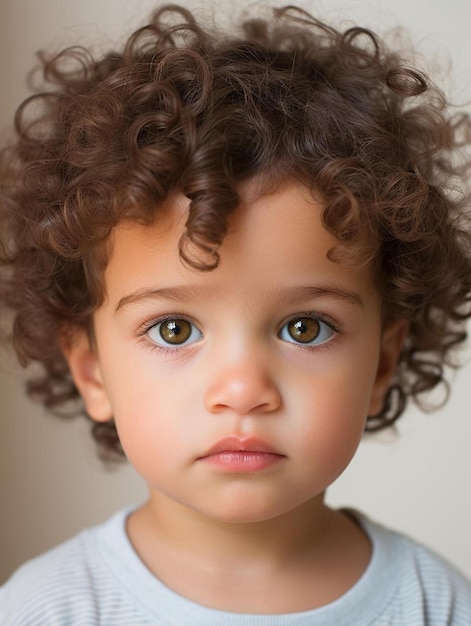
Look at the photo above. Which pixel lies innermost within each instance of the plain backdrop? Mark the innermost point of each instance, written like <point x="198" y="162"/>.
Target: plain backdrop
<point x="52" y="484"/>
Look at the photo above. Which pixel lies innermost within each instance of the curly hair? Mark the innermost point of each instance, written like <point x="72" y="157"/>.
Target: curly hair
<point x="185" y="108"/>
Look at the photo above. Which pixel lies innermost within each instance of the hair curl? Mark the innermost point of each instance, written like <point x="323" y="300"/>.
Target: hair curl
<point x="182" y="108"/>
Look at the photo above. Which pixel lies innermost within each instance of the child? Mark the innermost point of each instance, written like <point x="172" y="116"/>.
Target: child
<point x="239" y="253"/>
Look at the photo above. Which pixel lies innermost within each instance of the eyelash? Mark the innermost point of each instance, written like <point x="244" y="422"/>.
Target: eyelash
<point x="143" y="330"/>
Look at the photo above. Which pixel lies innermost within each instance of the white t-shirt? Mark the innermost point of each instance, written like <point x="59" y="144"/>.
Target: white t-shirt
<point x="97" y="578"/>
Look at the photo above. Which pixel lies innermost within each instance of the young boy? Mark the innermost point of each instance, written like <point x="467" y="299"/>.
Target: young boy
<point x="239" y="252"/>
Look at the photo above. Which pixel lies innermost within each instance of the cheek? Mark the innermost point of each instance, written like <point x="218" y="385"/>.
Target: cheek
<point x="158" y="422"/>
<point x="145" y="406"/>
<point x="142" y="413"/>
<point x="333" y="438"/>
<point x="336" y="411"/>
<point x="149" y="436"/>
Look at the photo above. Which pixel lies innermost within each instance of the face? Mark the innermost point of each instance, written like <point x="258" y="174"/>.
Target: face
<point x="239" y="393"/>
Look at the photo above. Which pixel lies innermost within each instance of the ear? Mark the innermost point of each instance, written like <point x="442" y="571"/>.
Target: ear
<point x="84" y="366"/>
<point x="392" y="341"/>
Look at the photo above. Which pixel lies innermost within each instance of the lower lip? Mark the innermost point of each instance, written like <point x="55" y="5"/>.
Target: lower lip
<point x="243" y="462"/>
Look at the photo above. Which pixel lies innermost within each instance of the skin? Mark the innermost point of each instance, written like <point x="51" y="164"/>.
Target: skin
<point x="247" y="541"/>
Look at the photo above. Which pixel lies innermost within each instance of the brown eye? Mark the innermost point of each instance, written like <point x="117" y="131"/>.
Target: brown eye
<point x="304" y="329"/>
<point x="175" y="331"/>
<point x="309" y="331"/>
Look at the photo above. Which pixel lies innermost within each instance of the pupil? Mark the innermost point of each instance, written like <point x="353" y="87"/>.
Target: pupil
<point x="304" y="330"/>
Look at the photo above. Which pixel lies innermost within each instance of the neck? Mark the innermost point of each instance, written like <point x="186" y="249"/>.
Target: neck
<point x="213" y="539"/>
<point x="296" y="561"/>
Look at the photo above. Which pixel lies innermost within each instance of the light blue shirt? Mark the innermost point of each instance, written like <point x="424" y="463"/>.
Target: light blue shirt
<point x="97" y="578"/>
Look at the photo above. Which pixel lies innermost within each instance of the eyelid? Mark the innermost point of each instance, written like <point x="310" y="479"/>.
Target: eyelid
<point x="159" y="319"/>
<point x="334" y="324"/>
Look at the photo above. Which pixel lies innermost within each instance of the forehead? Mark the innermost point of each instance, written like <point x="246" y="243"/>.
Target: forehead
<point x="274" y="235"/>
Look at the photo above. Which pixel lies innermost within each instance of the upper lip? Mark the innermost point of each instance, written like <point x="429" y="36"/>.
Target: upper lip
<point x="238" y="444"/>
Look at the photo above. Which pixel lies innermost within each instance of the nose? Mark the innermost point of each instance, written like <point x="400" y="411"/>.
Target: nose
<point x="243" y="388"/>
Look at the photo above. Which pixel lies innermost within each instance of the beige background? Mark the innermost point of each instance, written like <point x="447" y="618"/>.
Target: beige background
<point x="51" y="484"/>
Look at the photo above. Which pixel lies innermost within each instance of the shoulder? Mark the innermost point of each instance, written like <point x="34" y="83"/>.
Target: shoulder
<point x="44" y="583"/>
<point x="428" y="590"/>
<point x="68" y="585"/>
<point x="444" y="590"/>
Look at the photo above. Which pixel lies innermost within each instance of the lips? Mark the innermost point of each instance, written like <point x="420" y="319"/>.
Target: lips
<point x="235" y="444"/>
<point x="237" y="455"/>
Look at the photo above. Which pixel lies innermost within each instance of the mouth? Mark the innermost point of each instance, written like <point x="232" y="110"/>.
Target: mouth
<point x="236" y="455"/>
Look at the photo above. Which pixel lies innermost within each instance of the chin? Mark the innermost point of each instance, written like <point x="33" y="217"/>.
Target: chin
<point x="248" y="510"/>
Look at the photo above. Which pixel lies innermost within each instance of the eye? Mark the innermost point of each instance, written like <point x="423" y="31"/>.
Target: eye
<point x="306" y="331"/>
<point x="174" y="332"/>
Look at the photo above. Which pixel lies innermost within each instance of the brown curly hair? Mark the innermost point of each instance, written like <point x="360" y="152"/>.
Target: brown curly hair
<point x="185" y="108"/>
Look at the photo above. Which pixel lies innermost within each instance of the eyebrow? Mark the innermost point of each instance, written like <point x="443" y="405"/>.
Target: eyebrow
<point x="181" y="294"/>
<point x="185" y="293"/>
